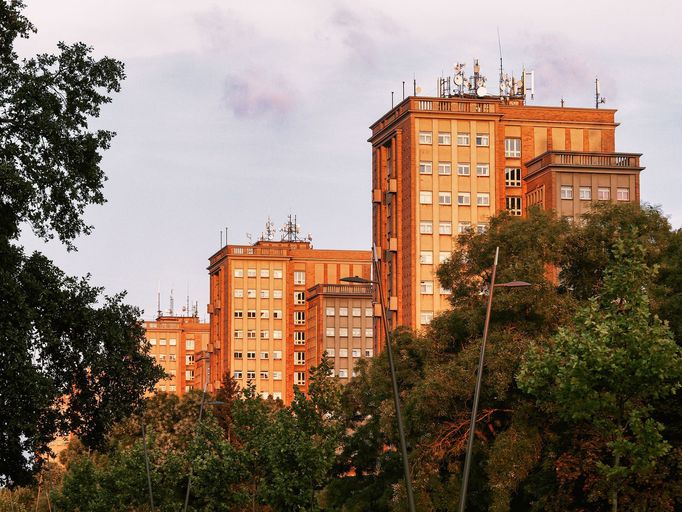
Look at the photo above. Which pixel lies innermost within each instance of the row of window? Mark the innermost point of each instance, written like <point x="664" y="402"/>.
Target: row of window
<point x="603" y="193"/>
<point x="265" y="375"/>
<point x="189" y="344"/>
<point x="463" y="139"/>
<point x="299" y="276"/>
<point x="189" y="358"/>
<point x="355" y="352"/>
<point x="463" y="198"/>
<point x="251" y="293"/>
<point x="355" y="331"/>
<point x="264" y="335"/>
<point x="276" y="354"/>
<point x="343" y="311"/>
<point x="264" y="313"/>
<point x="426" y="288"/>
<point x="445" y="169"/>
<point x="445" y="227"/>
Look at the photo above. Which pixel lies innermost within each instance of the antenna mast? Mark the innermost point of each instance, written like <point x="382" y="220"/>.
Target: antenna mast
<point x="598" y="98"/>
<point x="499" y="44"/>
<point x="171" y="303"/>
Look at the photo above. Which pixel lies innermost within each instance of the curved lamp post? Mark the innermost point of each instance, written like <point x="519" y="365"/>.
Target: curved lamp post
<point x="477" y="392"/>
<point x="396" y="395"/>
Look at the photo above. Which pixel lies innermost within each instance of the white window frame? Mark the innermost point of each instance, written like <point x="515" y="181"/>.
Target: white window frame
<point x="512" y="177"/>
<point x="463" y="226"/>
<point x="426" y="257"/>
<point x="464" y="198"/>
<point x="483" y="199"/>
<point x="482" y="140"/>
<point x="425" y="197"/>
<point x="512" y="147"/>
<point x="463" y="170"/>
<point x="299" y="277"/>
<point x="463" y="139"/>
<point x="444" y="168"/>
<point x="585" y="193"/>
<point x="425" y="167"/>
<point x="445" y="198"/>
<point x="482" y="169"/>
<point x="426" y="227"/>
<point x="426" y="317"/>
<point x="622" y="194"/>
<point x="445" y="227"/>
<point x="603" y="193"/>
<point x="426" y="287"/>
<point x="444" y="139"/>
<point x="425" y="137"/>
<point x="566" y="191"/>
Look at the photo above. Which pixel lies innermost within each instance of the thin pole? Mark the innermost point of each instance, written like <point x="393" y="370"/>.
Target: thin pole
<point x="201" y="411"/>
<point x="394" y="381"/>
<point x="146" y="463"/>
<point x="477" y="393"/>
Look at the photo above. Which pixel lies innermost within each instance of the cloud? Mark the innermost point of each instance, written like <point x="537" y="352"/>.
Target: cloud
<point x="258" y="94"/>
<point x="359" y="31"/>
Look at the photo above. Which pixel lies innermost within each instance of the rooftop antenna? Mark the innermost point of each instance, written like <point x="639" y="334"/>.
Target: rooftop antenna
<point x="403" y="89"/>
<point x="391" y="99"/>
<point x="221" y="239"/>
<point x="499" y="44"/>
<point x="248" y="237"/>
<point x="414" y="81"/>
<point x="598" y="98"/>
<point x="158" y="301"/>
<point x="226" y="233"/>
<point x="562" y="102"/>
<point x="187" y="303"/>
<point x="170" y="309"/>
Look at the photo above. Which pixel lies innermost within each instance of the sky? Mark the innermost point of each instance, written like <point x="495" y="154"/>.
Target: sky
<point x="233" y="112"/>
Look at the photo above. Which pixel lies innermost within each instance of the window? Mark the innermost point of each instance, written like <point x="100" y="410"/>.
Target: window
<point x="482" y="169"/>
<point x="566" y="192"/>
<point x="343" y="332"/>
<point x="356" y="352"/>
<point x="444" y="168"/>
<point x="251" y="313"/>
<point x="464" y="198"/>
<point x="238" y="333"/>
<point x="603" y="194"/>
<point x="445" y="228"/>
<point x="330" y="311"/>
<point x="482" y="139"/>
<point x="172" y="342"/>
<point x="299" y="337"/>
<point x="330" y="352"/>
<point x="357" y="332"/>
<point x="463" y="170"/>
<point x="481" y="228"/>
<point x="172" y="357"/>
<point x="251" y="293"/>
<point x="426" y="257"/>
<point x="512" y="177"/>
<point x="425" y="197"/>
<point x="343" y="311"/>
<point x="277" y="274"/>
<point x="264" y="272"/>
<point x="276" y="335"/>
<point x="512" y="148"/>
<point x="189" y="344"/>
<point x="357" y="311"/>
<point x="238" y="272"/>
<point x="152" y="341"/>
<point x="586" y="193"/>
<point x="265" y="294"/>
<point x="277" y="395"/>
<point x="343" y="373"/>
<point x="265" y="313"/>
<point x="442" y="257"/>
<point x="172" y="388"/>
<point x="238" y="292"/>
<point x="513" y="204"/>
<point x="299" y="317"/>
<point x="264" y="355"/>
<point x="250" y="355"/>
<point x="251" y="272"/>
<point x="251" y="375"/>
<point x="251" y="334"/>
<point x="299" y="378"/>
<point x="426" y="227"/>
<point x="425" y="138"/>
<point x="299" y="298"/>
<point x="189" y="388"/>
<point x="445" y="198"/>
<point x="369" y="312"/>
<point x="426" y="287"/>
<point x="162" y="342"/>
<point x="623" y="194"/>
<point x="369" y="352"/>
<point x="264" y="375"/>
<point x="162" y="357"/>
<point x="462" y="139"/>
<point x="463" y="227"/>
<point x="277" y="294"/>
<point x="162" y="388"/>
<point x="277" y="314"/>
<point x="444" y="291"/>
<point x="483" y="199"/>
<point x="426" y="317"/>
<point x="265" y="335"/>
<point x="343" y="352"/>
<point x="277" y="354"/>
<point x="299" y="358"/>
<point x="238" y="355"/>
<point x="299" y="277"/>
<point x="189" y="374"/>
<point x="444" y="138"/>
<point x="369" y="332"/>
<point x="276" y="375"/>
<point x="238" y="313"/>
<point x="425" y="168"/>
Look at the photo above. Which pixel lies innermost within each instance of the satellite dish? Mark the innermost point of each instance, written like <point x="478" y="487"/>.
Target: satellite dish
<point x="459" y="79"/>
<point x="481" y="91"/>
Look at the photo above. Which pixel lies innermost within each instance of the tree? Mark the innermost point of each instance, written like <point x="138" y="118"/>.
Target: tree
<point x="70" y="359"/>
<point x="607" y="371"/>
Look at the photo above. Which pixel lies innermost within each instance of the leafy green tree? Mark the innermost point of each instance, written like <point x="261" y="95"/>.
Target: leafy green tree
<point x="606" y="372"/>
<point x="71" y="360"/>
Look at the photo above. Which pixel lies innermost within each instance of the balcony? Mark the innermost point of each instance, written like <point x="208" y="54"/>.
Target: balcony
<point x="577" y="160"/>
<point x="342" y="289"/>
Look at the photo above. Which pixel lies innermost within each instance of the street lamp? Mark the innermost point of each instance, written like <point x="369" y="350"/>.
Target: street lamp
<point x="477" y="392"/>
<point x="394" y="381"/>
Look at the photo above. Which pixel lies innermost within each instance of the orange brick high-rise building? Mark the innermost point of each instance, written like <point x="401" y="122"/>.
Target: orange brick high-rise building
<point x="443" y="165"/>
<point x="259" y="308"/>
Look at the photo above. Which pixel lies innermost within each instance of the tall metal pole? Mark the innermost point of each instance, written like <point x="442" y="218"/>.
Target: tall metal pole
<point x="477" y="392"/>
<point x="201" y="411"/>
<point x="394" y="381"/>
<point x="146" y="463"/>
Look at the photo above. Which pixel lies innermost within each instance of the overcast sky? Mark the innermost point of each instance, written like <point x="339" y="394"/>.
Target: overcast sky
<point x="235" y="111"/>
